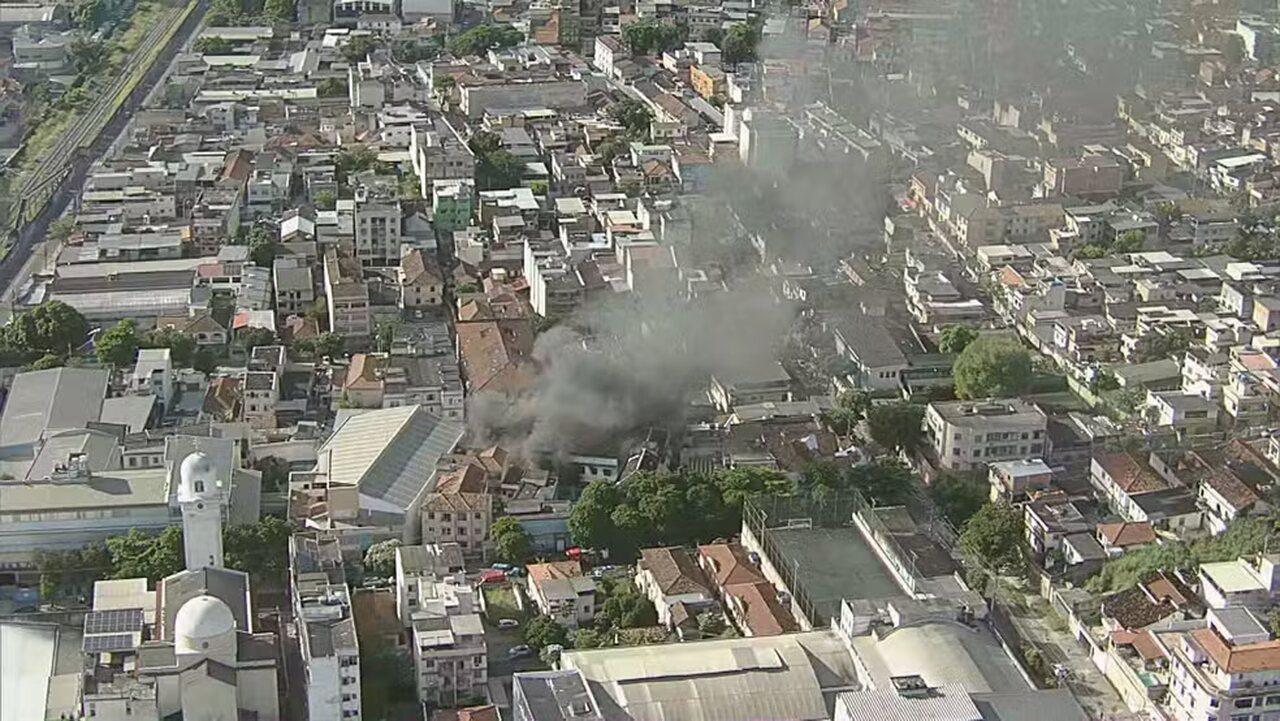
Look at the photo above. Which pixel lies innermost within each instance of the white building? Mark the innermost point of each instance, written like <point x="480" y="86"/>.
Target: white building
<point x="972" y="434"/>
<point x="1227" y="671"/>
<point x="559" y="590"/>
<point x="327" y="639"/>
<point x="153" y="374"/>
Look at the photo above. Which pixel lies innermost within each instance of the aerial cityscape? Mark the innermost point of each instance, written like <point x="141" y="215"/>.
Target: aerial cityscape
<point x="640" y="360"/>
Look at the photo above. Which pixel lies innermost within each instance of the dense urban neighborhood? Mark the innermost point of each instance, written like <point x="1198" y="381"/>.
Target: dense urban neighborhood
<point x="639" y="360"/>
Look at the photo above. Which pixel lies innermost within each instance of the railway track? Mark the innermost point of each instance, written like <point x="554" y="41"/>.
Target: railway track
<point x="55" y="163"/>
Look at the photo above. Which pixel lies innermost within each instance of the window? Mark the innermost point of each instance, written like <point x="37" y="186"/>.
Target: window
<point x="199" y="485"/>
<point x="1244" y="703"/>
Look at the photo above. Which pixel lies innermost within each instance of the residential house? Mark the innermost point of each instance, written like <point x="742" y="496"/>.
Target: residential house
<point x="560" y="590"/>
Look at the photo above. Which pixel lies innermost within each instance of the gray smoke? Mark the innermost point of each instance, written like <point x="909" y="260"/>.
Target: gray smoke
<point x="621" y="367"/>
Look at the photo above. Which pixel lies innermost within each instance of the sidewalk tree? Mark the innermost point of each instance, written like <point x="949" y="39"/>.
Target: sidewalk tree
<point x="511" y="543"/>
<point x="993" y="536"/>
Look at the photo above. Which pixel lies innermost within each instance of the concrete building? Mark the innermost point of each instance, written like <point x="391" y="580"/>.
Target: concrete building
<point x="327" y="639"/>
<point x="560" y="590"/>
<point x="347" y="297"/>
<point x="1225" y="671"/>
<point x="972" y="434"/>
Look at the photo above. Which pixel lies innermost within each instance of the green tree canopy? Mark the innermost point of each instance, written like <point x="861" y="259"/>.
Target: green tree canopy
<point x="542" y="631"/>
<point x="632" y="115"/>
<point x="994" y="536"/>
<point x="739" y="43"/>
<point x="511" y="542"/>
<point x="259" y="549"/>
<point x="896" y="426"/>
<point x="483" y="38"/>
<point x="140" y="555"/>
<point x="380" y="558"/>
<point x="955" y="338"/>
<point x="992" y="366"/>
<point x="653" y="36"/>
<point x="182" y="347"/>
<point x="118" y="345"/>
<point x="357" y="48"/>
<point x="959" y="496"/>
<point x="52" y="327"/>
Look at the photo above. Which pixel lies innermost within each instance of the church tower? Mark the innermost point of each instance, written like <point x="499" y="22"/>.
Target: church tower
<point x="200" y="494"/>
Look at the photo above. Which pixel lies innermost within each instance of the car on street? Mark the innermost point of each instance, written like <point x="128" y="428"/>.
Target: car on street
<point x="520" y="651"/>
<point x="508" y="623"/>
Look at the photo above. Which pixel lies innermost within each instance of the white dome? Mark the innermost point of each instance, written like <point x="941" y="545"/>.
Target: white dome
<point x="204" y="625"/>
<point x="197" y="478"/>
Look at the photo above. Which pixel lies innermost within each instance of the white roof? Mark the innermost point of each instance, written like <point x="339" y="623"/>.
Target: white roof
<point x="741" y="679"/>
<point x="51" y="400"/>
<point x="391" y="454"/>
<point x="947" y="703"/>
<point x="1232" y="576"/>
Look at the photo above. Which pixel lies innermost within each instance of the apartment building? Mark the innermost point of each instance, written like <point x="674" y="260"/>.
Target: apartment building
<point x="1227" y="671"/>
<point x="461" y="518"/>
<point x="347" y="297"/>
<point x="326" y="628"/>
<point x="971" y="434"/>
<point x="560" y="590"/>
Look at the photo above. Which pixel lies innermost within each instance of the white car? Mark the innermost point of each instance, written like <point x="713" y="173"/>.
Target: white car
<point x="508" y="623"/>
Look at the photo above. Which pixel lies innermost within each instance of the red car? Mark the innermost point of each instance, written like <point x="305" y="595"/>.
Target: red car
<point x="492" y="576"/>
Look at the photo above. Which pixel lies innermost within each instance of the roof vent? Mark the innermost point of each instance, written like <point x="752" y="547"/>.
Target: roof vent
<point x="912" y="686"/>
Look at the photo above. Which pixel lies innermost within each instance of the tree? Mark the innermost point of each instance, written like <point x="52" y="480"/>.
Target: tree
<point x="585" y="638"/>
<point x="543" y="631"/>
<point x="331" y="88"/>
<point x="736" y="485"/>
<point x="281" y="10"/>
<point x="993" y="536"/>
<point x="139" y="555"/>
<point x="653" y="36"/>
<point x="850" y="409"/>
<point x="275" y="473"/>
<point x="251" y="338"/>
<point x="511" y="543"/>
<point x="182" y="347"/>
<point x="739" y="43"/>
<point x="896" y="426"/>
<point x="357" y="48"/>
<point x="71" y="572"/>
<point x="632" y="115"/>
<point x="711" y="623"/>
<point x="88" y="55"/>
<point x="955" y="338"/>
<point x="45" y="362"/>
<point x="627" y="609"/>
<point x="259" y="549"/>
<point x="61" y="229"/>
<point x="959" y="496"/>
<point x="52" y="327"/>
<point x="263" y="246"/>
<point x="1130" y="241"/>
<point x="483" y="38"/>
<point x="118" y="345"/>
<point x="385" y="335"/>
<point x="714" y="36"/>
<point x="205" y="361"/>
<point x="329" y="345"/>
<point x="212" y="45"/>
<point x="992" y="367"/>
<point x="380" y="559"/>
<point x="885" y="482"/>
<point x="354" y="160"/>
<point x="325" y="200"/>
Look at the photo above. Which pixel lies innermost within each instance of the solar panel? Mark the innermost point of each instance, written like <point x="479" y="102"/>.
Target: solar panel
<point x="110" y="642"/>
<point x="120" y="620"/>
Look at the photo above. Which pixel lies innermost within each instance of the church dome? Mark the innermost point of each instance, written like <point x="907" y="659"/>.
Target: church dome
<point x="204" y="626"/>
<point x="197" y="478"/>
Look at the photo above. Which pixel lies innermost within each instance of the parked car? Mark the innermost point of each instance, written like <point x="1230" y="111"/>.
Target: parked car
<point x="516" y="573"/>
<point x="508" y="623"/>
<point x="493" y="576"/>
<point x="502" y="566"/>
<point x="520" y="651"/>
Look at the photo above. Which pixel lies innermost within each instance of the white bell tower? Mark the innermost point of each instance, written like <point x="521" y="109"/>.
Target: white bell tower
<point x="200" y="495"/>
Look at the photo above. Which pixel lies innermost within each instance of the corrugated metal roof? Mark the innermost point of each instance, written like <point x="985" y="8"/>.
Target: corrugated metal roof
<point x="947" y="703"/>
<point x="390" y="454"/>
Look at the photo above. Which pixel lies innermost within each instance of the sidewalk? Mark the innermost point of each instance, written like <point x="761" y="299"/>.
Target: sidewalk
<point x="1039" y="625"/>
